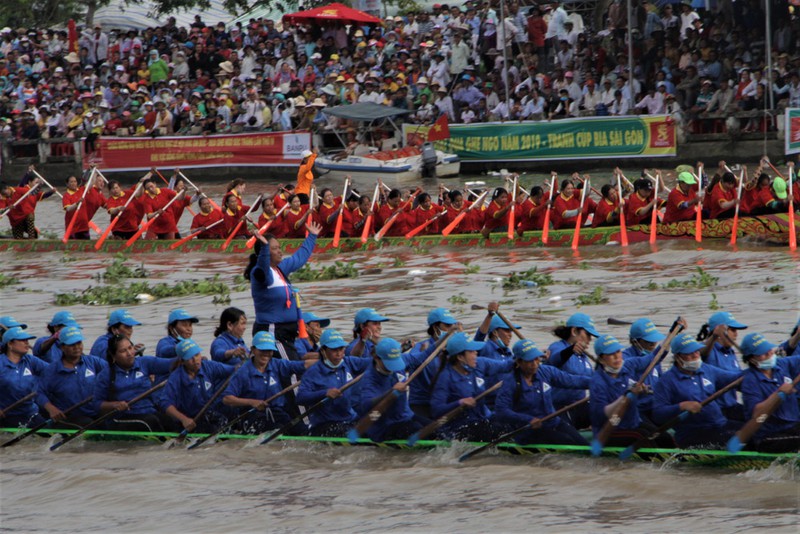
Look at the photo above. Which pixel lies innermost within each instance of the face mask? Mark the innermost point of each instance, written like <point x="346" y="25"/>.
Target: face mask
<point x="499" y="342"/>
<point x="563" y="99"/>
<point x="768" y="363"/>
<point x="612" y="370"/>
<point x="327" y="362"/>
<point x="692" y="366"/>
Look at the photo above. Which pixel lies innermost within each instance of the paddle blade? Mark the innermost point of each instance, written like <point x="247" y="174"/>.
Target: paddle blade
<point x="792" y="229"/>
<point x="367" y="225"/>
<point x="412" y="439"/>
<point x="105" y="234"/>
<point x="511" y="223"/>
<point x="546" y="227"/>
<point x="352" y="435"/>
<point x="735" y="229"/>
<point x="596" y="447"/>
<point x="230" y="237"/>
<point x="735" y="445"/>
<point x="653" y="226"/>
<point x="71" y="226"/>
<point x="627" y="452"/>
<point x="452" y="226"/>
<point x="94" y="228"/>
<point x="623" y="229"/>
<point x="698" y="225"/>
<point x="576" y="236"/>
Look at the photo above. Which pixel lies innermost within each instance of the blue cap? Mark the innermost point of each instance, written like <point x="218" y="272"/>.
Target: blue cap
<point x="645" y="329"/>
<point x="265" y="341"/>
<point x="725" y="318"/>
<point x="755" y="345"/>
<point x="685" y="344"/>
<point x="526" y="350"/>
<point x="181" y="315"/>
<point x="187" y="349"/>
<point x="365" y="315"/>
<point x="310" y="317"/>
<point x="497" y="322"/>
<point x="607" y="344"/>
<point x="581" y="320"/>
<point x="70" y="335"/>
<point x="441" y="315"/>
<point x="460" y="342"/>
<point x="7" y="321"/>
<point x="14" y="333"/>
<point x="62" y="318"/>
<point x="390" y="353"/>
<point x="122" y="317"/>
<point x="332" y="339"/>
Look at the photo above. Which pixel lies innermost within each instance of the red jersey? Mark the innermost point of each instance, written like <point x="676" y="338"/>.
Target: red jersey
<point x="492" y="220"/>
<point x="531" y="215"/>
<point x="233" y="193"/>
<point x="605" y="214"/>
<point x="471" y="222"/>
<point x="277" y="227"/>
<point x="590" y="206"/>
<point x="179" y="206"/>
<point x="279" y="201"/>
<point x="291" y="221"/>
<point x="327" y="217"/>
<point x="27" y="207"/>
<point x="561" y="205"/>
<point x="165" y="223"/>
<point x="94" y="201"/>
<point x="674" y="212"/>
<point x="357" y="220"/>
<point x="207" y="219"/>
<point x="634" y="214"/>
<point x="130" y="218"/>
<point x="400" y="224"/>
<point x="419" y="216"/>
<point x="232" y="219"/>
<point x="81" y="222"/>
<point x="718" y="196"/>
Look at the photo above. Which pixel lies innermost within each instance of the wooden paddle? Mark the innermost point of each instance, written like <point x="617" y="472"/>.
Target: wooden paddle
<point x="792" y="229"/>
<point x="623" y="403"/>
<point x="446" y="418"/>
<point x="214" y="204"/>
<point x="230" y="424"/>
<point x="546" y="226"/>
<point x="18" y="202"/>
<point x="16" y="403"/>
<point x="371" y="214"/>
<point x="196" y="233"/>
<point x="424" y="225"/>
<point x="147" y="224"/>
<point x="116" y="218"/>
<point x="396" y="215"/>
<point x="698" y="223"/>
<point x="623" y="228"/>
<point x="263" y="230"/>
<point x="337" y="233"/>
<point x="388" y="399"/>
<point x="207" y="405"/>
<point x="509" y="435"/>
<point x="108" y="415"/>
<point x="512" y="211"/>
<point x="740" y="439"/>
<point x="241" y="222"/>
<point x="452" y="226"/>
<point x="43" y="424"/>
<point x="735" y="228"/>
<point x="654" y="214"/>
<point x="576" y="236"/>
<point x="316" y="406"/>
<point x="628" y="452"/>
<point x="47" y="183"/>
<point x="74" y="218"/>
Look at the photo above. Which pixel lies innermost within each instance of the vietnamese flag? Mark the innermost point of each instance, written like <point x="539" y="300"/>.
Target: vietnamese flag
<point x="440" y="129"/>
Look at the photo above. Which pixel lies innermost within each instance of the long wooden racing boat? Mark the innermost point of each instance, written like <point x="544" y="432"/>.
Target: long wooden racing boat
<point x="768" y="229"/>
<point x="741" y="461"/>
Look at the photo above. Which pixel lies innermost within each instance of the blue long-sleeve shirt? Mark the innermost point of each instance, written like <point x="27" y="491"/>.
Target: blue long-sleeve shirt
<point x="189" y="395"/>
<point x="65" y="387"/>
<point x="576" y="364"/>
<point x="319" y="378"/>
<point x="250" y="383"/>
<point x="18" y="380"/>
<point x="270" y="291"/>
<point x="605" y="389"/>
<point x="225" y="342"/>
<point x="166" y="347"/>
<point x="756" y="387"/>
<point x="724" y="358"/>
<point x="373" y="386"/>
<point x="645" y="399"/>
<point x="51" y="355"/>
<point x="129" y="383"/>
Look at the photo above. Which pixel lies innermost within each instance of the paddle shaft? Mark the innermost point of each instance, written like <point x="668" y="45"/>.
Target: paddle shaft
<point x="19" y="201"/>
<point x="449" y="416"/>
<point x="735" y="228"/>
<point x="45" y="423"/>
<point x="252" y="241"/>
<point x="760" y="416"/>
<point x="180" y="173"/>
<point x="399" y="211"/>
<point x="116" y="218"/>
<point x="424" y="225"/>
<point x="207" y="405"/>
<point x="340" y="218"/>
<point x="510" y="325"/>
<point x="654" y="213"/>
<point x="792" y="226"/>
<point x="577" y="234"/>
<point x="195" y="234"/>
<point x="512" y="211"/>
<point x="108" y="415"/>
<point x="316" y="406"/>
<point x="371" y="214"/>
<point x="241" y="222"/>
<point x="17" y="402"/>
<point x="48" y="184"/>
<point x="148" y="223"/>
<point x="513" y="433"/>
<point x="78" y="207"/>
<point x="546" y="226"/>
<point x="623" y="228"/>
<point x="452" y="226"/>
<point x="698" y="223"/>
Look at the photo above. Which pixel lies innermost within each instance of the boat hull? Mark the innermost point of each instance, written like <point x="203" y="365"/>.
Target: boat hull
<point x="768" y="229"/>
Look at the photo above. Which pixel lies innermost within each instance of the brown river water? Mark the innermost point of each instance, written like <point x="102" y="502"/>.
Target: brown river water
<point x="231" y="487"/>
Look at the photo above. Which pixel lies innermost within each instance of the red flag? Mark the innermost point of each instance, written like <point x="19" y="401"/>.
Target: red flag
<point x="72" y="33"/>
<point x="440" y="129"/>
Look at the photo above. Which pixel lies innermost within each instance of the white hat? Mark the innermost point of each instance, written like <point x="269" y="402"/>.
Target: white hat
<point x="119" y="68"/>
<point x="305" y="153"/>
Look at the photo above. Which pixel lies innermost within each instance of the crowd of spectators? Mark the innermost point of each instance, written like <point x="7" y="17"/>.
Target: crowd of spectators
<point x="262" y="75"/>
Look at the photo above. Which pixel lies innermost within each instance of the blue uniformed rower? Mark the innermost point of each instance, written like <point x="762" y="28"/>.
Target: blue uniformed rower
<point x="719" y="336"/>
<point x="191" y="386"/>
<point x="458" y="383"/>
<point x="367" y="328"/>
<point x="526" y="396"/>
<point x="440" y="320"/>
<point x="19" y="372"/>
<point x="261" y="377"/>
<point x="766" y="374"/>
<point x="613" y="379"/>
<point x="126" y="377"/>
<point x="324" y="379"/>
<point x="791" y="347"/>
<point x="309" y="347"/>
<point x="120" y="323"/>
<point x="228" y="345"/>
<point x="47" y="347"/>
<point x="681" y="389"/>
<point x="644" y="338"/>
<point x="569" y="355"/>
<point x="180" y="325"/>
<point x="6" y="322"/>
<point x="388" y="372"/>
<point x="70" y="380"/>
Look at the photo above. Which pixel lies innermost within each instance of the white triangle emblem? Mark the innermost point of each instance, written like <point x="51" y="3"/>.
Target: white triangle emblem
<point x="139" y="374"/>
<point x="208" y="385"/>
<point x="655" y="372"/>
<point x="479" y="381"/>
<point x="787" y="380"/>
<point x="272" y="381"/>
<point x="26" y="372"/>
<point x="706" y="382"/>
<point x="545" y="387"/>
<point x="89" y="373"/>
<point x="348" y="376"/>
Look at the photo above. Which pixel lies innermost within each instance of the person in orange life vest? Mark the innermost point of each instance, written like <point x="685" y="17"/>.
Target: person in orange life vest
<point x="154" y="200"/>
<point x="723" y="197"/>
<point x="236" y="187"/>
<point x="281" y="198"/>
<point x="359" y="215"/>
<point x="607" y="212"/>
<point x="565" y="206"/>
<point x="295" y="217"/>
<point x="70" y="201"/>
<point x="393" y="204"/>
<point x="22" y="217"/>
<point x="682" y="200"/>
<point x="129" y="217"/>
<point x="305" y="175"/>
<point x="425" y="211"/>
<point x="454" y="203"/>
<point x="207" y="216"/>
<point x="638" y="208"/>
<point x="532" y="211"/>
<point x="269" y="213"/>
<point x="232" y="213"/>
<point x="496" y="217"/>
<point x="328" y="211"/>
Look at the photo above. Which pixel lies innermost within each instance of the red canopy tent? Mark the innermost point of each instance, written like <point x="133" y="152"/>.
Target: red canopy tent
<point x="335" y="11"/>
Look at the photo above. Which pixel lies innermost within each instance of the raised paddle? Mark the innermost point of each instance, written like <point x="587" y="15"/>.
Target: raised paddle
<point x="446" y="418"/>
<point x="371" y="214"/>
<point x="316" y="406"/>
<point x="654" y="214"/>
<point x="658" y="179"/>
<point x="576" y="236"/>
<point x="47" y="183"/>
<point x="337" y="233"/>
<point x="623" y="228"/>
<point x="622" y="404"/>
<point x="214" y="204"/>
<point x="18" y="202"/>
<point x="424" y="225"/>
<point x="43" y="424"/>
<point x="452" y="226"/>
<point x="241" y="222"/>
<point x="78" y="206"/>
<point x="512" y="211"/>
<point x="116" y="218"/>
<point x="735" y="228"/>
<point x="388" y="399"/>
<point x="509" y="435"/>
<point x="396" y="215"/>
<point x="16" y="403"/>
<point x="546" y="226"/>
<point x="196" y="233"/>
<point x="792" y="229"/>
<point x="760" y="416"/>
<point x="628" y="451"/>
<point x="108" y="415"/>
<point x="263" y="230"/>
<point x="230" y="424"/>
<point x="147" y="224"/>
<point x="510" y="325"/>
<point x="207" y="405"/>
<point x="698" y="222"/>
